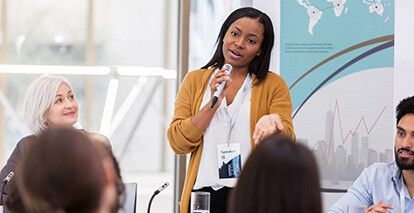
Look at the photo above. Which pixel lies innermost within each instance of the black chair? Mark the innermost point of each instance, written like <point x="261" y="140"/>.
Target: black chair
<point x="130" y="205"/>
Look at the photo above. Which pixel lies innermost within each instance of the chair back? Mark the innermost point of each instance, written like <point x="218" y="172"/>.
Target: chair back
<point x="130" y="205"/>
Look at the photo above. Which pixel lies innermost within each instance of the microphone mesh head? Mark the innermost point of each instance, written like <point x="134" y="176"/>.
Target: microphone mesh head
<point x="229" y="67"/>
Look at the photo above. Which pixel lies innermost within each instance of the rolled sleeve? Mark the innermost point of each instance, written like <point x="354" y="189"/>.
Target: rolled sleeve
<point x="182" y="135"/>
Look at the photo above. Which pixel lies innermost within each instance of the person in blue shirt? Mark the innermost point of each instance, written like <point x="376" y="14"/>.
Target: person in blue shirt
<point x="388" y="187"/>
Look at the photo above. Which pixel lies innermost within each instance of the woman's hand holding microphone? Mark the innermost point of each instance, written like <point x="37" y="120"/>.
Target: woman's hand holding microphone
<point x="217" y="93"/>
<point x="202" y="119"/>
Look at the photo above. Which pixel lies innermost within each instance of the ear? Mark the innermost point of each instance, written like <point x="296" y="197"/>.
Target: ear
<point x="45" y="116"/>
<point x="259" y="52"/>
<point x="109" y="170"/>
<point x="109" y="192"/>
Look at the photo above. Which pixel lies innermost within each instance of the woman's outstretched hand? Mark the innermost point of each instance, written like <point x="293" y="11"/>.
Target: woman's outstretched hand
<point x="266" y="126"/>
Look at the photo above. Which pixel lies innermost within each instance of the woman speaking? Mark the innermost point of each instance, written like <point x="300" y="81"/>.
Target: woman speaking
<point x="253" y="104"/>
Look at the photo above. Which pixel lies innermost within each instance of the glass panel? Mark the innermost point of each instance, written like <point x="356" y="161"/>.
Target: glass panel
<point x="206" y="18"/>
<point x="47" y="32"/>
<point x="125" y="33"/>
<point x="130" y="32"/>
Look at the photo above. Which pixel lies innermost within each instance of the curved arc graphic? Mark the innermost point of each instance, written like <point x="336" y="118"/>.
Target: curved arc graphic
<point x="349" y="49"/>
<point x="353" y="61"/>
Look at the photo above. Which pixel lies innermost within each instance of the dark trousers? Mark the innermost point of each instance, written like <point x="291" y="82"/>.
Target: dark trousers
<point x="218" y="199"/>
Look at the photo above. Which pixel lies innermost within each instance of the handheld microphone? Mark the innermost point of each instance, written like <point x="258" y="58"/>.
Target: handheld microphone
<point x="157" y="192"/>
<point x="220" y="88"/>
<point x="3" y="184"/>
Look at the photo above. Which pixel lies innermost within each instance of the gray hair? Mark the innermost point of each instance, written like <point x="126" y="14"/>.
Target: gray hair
<point x="38" y="99"/>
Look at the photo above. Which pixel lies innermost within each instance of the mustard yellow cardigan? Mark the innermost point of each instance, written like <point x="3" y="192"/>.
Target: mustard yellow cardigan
<point x="270" y="96"/>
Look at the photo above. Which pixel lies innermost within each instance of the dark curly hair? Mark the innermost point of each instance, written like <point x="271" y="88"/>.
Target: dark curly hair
<point x="60" y="171"/>
<point x="279" y="176"/>
<point x="406" y="106"/>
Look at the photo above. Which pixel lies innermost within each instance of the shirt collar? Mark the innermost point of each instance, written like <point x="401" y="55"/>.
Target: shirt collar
<point x="396" y="174"/>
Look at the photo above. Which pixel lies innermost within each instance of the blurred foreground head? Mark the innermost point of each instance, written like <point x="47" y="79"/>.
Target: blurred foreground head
<point x="279" y="176"/>
<point x="62" y="171"/>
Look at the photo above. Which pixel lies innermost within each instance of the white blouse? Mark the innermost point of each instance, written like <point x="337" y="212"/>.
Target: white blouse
<point x="217" y="133"/>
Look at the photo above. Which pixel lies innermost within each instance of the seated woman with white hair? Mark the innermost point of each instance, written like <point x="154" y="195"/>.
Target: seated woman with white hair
<point x="49" y="102"/>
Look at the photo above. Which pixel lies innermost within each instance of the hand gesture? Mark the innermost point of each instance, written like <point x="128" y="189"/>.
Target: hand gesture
<point x="266" y="126"/>
<point x="380" y="207"/>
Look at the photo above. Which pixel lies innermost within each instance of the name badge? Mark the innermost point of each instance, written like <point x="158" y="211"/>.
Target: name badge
<point x="229" y="160"/>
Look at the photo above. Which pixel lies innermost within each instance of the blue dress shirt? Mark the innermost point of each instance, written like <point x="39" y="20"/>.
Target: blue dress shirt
<point x="380" y="181"/>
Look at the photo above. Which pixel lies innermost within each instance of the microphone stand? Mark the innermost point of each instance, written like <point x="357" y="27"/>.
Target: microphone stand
<point x="3" y="184"/>
<point x="1" y="193"/>
<point x="155" y="193"/>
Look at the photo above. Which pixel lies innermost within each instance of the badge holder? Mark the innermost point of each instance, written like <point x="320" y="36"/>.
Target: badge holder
<point x="229" y="160"/>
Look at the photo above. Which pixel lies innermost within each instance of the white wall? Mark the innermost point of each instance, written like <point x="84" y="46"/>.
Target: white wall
<point x="404" y="47"/>
<point x="272" y="9"/>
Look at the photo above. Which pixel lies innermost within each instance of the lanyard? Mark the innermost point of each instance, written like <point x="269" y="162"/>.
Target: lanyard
<point x="402" y="194"/>
<point x="232" y="121"/>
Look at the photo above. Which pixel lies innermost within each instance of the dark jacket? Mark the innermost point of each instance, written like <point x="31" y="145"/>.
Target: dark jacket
<point x="13" y="160"/>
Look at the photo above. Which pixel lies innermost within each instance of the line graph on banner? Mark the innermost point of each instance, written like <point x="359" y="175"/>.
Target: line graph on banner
<point x="336" y="113"/>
